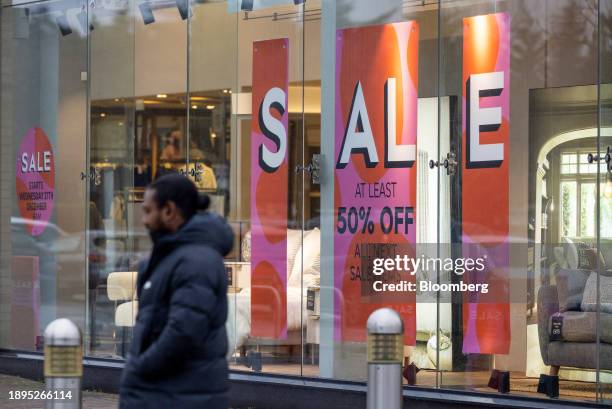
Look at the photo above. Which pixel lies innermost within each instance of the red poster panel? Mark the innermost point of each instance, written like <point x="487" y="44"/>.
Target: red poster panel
<point x="269" y="189"/>
<point x="485" y="185"/>
<point x="375" y="173"/>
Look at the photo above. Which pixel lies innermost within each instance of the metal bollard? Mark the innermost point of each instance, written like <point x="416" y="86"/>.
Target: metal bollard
<point x="385" y="353"/>
<point x="63" y="365"/>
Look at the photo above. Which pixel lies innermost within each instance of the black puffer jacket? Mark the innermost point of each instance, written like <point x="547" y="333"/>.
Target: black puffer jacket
<point x="177" y="357"/>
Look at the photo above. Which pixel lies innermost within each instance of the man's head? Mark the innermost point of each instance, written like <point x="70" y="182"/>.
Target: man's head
<point x="168" y="203"/>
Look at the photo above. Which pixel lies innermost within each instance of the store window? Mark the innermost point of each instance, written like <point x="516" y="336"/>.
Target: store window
<point x="330" y="134"/>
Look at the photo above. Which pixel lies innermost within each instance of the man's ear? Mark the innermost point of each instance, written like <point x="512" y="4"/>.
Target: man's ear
<point x="168" y="209"/>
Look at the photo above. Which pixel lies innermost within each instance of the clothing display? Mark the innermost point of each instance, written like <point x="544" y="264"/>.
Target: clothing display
<point x="204" y="180"/>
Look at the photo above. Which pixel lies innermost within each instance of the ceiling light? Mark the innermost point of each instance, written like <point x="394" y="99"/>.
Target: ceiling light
<point x="103" y="115"/>
<point x="210" y="107"/>
<point x="62" y="24"/>
<point x="82" y="18"/>
<point x="162" y="96"/>
<point x="194" y="107"/>
<point x="225" y="91"/>
<point x="146" y="12"/>
<point x="184" y="9"/>
<point x="246" y="5"/>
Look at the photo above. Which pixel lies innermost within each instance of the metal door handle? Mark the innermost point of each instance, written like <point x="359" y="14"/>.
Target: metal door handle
<point x="450" y="163"/>
<point x="313" y="168"/>
<point x="94" y="175"/>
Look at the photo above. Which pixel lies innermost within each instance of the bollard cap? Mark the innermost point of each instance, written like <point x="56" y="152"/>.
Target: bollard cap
<point x="385" y="337"/>
<point x="385" y="321"/>
<point x="62" y="332"/>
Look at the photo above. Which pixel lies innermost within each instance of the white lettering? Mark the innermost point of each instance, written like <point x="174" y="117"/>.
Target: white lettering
<point x="396" y="156"/>
<point x="358" y="137"/>
<point x="483" y="120"/>
<point x="273" y="129"/>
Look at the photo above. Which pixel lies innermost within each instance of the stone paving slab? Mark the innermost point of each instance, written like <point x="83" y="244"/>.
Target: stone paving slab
<point x="91" y="400"/>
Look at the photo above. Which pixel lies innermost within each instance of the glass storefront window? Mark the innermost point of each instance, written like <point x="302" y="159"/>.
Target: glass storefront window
<point x="330" y="134"/>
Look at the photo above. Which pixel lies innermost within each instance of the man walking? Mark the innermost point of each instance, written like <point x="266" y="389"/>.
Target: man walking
<point x="177" y="356"/>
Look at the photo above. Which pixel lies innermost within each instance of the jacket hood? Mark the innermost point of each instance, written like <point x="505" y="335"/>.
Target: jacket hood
<point x="205" y="228"/>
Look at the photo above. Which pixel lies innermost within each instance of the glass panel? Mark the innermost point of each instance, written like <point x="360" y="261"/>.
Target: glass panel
<point x="42" y="223"/>
<point x="138" y="122"/>
<point x="380" y="50"/>
<point x="117" y="237"/>
<point x="604" y="208"/>
<point x="215" y="146"/>
<point x="268" y="195"/>
<point x="311" y="198"/>
<point x="528" y="218"/>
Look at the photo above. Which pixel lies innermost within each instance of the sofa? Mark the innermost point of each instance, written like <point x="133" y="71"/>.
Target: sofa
<point x="567" y="320"/>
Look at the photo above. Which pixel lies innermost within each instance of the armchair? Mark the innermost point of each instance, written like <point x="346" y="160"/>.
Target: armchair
<point x="576" y="345"/>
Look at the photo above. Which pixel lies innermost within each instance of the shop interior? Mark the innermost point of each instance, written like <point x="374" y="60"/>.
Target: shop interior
<point x="142" y="123"/>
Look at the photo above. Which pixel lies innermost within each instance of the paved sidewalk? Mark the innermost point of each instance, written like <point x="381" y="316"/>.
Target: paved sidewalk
<point x="91" y="400"/>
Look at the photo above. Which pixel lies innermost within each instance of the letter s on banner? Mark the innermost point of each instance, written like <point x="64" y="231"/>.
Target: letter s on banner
<point x="273" y="129"/>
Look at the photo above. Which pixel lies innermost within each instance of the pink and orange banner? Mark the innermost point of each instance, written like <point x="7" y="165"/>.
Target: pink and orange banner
<point x="375" y="173"/>
<point x="485" y="179"/>
<point x="269" y="189"/>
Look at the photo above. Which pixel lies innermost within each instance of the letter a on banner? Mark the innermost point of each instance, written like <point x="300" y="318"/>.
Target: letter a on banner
<point x="375" y="151"/>
<point x="486" y="119"/>
<point x="269" y="189"/>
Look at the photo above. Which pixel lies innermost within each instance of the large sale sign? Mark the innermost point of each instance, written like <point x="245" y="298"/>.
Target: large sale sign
<point x="375" y="173"/>
<point x="486" y="119"/>
<point x="269" y="184"/>
<point x="35" y="180"/>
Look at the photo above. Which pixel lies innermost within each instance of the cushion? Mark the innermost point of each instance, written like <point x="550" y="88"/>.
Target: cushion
<point x="310" y="253"/>
<point x="606" y="252"/>
<point x="589" y="298"/>
<point x="246" y="247"/>
<point x="571" y="253"/>
<point x="294" y="242"/>
<point x="125" y="315"/>
<point x="121" y="285"/>
<point x="579" y="326"/>
<point x="570" y="287"/>
<point x="587" y="257"/>
<point x="560" y="257"/>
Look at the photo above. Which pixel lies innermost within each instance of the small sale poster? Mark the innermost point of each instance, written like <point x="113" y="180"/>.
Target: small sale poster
<point x="35" y="180"/>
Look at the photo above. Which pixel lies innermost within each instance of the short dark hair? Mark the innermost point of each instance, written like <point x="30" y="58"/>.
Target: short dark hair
<point x="180" y="190"/>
